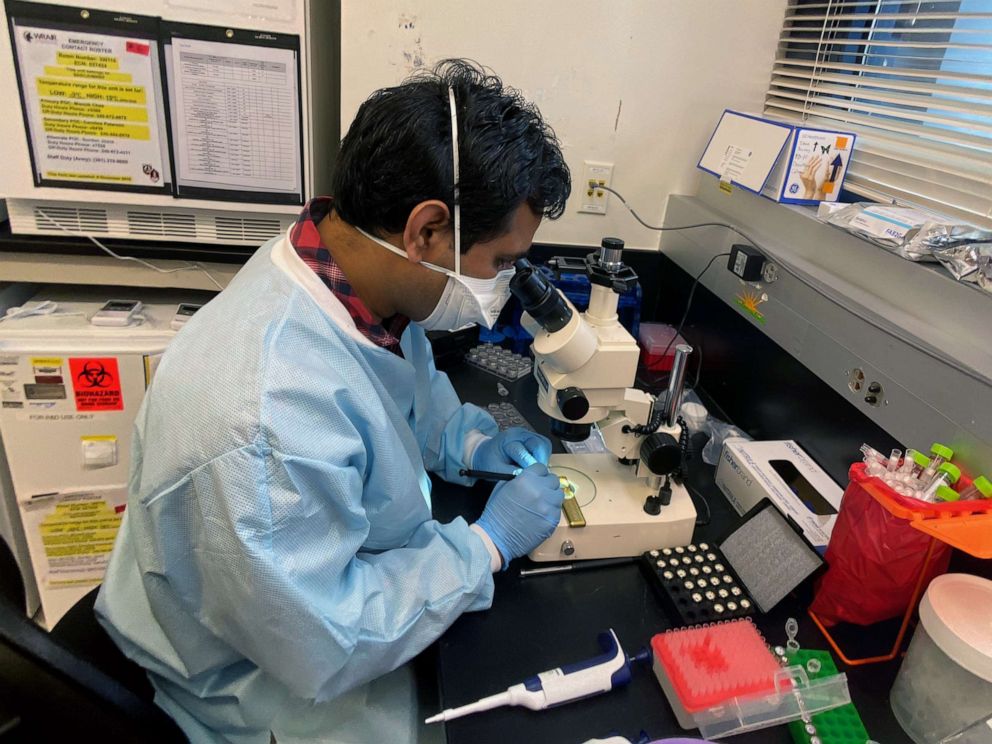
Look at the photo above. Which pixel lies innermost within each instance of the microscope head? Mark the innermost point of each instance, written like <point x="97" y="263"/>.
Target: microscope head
<point x="560" y="342"/>
<point x="583" y="362"/>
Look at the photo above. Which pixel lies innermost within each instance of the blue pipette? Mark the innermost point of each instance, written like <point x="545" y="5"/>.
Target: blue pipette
<point x="562" y="685"/>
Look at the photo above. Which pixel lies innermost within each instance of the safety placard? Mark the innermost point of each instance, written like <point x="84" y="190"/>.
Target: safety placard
<point x="92" y="105"/>
<point x="77" y="532"/>
<point x="96" y="383"/>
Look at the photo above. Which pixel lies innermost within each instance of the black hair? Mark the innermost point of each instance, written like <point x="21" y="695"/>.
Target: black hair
<point x="397" y="153"/>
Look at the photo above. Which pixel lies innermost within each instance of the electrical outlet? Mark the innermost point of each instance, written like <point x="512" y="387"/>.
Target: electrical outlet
<point x="595" y="200"/>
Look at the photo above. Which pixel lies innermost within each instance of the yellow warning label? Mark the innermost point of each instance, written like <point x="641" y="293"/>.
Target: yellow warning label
<point x="90" y="90"/>
<point x="96" y="129"/>
<point x="46" y="361"/>
<point x="77" y="72"/>
<point x="100" y="438"/>
<point x="82" y="59"/>
<point x="81" y="110"/>
<point x="78" y="536"/>
<point x="726" y="187"/>
<point x="66" y="175"/>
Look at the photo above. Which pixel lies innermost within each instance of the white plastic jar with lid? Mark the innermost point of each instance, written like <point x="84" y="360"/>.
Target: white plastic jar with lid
<point x="945" y="682"/>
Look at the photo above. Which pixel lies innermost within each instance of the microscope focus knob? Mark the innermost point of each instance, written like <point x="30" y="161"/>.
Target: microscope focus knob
<point x="573" y="403"/>
<point x="661" y="453"/>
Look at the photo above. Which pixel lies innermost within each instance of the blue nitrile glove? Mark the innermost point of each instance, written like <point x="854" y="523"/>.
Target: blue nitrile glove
<point x="511" y="449"/>
<point x="523" y="512"/>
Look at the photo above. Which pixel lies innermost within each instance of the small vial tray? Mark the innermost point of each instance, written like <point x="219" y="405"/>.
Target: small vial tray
<point x="499" y="361"/>
<point x="696" y="584"/>
<point x="507" y="415"/>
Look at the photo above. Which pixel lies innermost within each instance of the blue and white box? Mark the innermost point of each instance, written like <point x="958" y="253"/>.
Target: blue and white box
<point x="785" y="162"/>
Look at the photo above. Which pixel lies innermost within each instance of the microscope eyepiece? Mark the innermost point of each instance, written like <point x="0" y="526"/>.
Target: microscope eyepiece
<point x="539" y="297"/>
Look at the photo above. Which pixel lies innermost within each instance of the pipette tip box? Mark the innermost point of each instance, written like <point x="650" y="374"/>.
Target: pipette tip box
<point x="724" y="680"/>
<point x="704" y="666"/>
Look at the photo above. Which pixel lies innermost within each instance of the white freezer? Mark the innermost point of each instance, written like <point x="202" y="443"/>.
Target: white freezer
<point x="69" y="393"/>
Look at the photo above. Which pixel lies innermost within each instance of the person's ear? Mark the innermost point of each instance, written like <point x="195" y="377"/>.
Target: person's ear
<point x="427" y="233"/>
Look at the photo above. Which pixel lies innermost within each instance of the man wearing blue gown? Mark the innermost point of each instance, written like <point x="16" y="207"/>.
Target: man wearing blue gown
<point x="278" y="560"/>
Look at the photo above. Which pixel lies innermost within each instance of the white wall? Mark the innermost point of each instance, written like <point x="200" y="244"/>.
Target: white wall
<point x="639" y="83"/>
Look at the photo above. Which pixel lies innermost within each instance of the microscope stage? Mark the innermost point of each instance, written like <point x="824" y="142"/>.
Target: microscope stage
<point x="616" y="523"/>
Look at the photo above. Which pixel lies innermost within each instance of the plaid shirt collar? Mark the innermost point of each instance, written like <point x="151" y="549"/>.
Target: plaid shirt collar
<point x="305" y="239"/>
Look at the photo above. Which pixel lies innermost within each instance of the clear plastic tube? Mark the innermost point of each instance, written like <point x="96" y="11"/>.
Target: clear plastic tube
<point x="947" y="475"/>
<point x="908" y="463"/>
<point x="941" y="454"/>
<point x="980" y="488"/>
<point x="894" y="460"/>
<point x="871" y="454"/>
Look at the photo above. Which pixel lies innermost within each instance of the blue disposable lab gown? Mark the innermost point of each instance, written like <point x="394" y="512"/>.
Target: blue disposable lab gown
<point x="278" y="549"/>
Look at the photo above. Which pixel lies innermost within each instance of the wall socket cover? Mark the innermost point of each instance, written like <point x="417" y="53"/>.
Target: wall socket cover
<point x="595" y="201"/>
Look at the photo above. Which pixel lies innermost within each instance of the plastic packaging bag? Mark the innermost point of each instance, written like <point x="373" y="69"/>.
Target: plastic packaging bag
<point x="970" y="263"/>
<point x="874" y="560"/>
<point x="911" y="233"/>
<point x="719" y="432"/>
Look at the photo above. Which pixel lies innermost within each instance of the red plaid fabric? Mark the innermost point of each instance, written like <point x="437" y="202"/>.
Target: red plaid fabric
<point x="305" y="239"/>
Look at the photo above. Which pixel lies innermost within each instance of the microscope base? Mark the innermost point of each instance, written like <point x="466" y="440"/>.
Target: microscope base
<point x="616" y="523"/>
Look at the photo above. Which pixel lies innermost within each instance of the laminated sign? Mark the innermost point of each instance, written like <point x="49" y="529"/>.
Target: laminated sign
<point x="97" y="384"/>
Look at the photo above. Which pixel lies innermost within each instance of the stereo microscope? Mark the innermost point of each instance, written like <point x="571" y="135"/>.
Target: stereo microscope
<point x="625" y="501"/>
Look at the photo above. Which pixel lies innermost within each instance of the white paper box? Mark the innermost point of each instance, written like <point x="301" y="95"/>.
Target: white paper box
<point x="785" y="162"/>
<point x="783" y="472"/>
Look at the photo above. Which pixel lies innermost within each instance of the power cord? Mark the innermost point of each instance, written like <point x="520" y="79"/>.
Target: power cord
<point x="688" y="304"/>
<point x="699" y="500"/>
<point x="662" y="228"/>
<point x="191" y="266"/>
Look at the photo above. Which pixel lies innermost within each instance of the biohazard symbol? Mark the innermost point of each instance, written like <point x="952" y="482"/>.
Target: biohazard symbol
<point x="95" y="375"/>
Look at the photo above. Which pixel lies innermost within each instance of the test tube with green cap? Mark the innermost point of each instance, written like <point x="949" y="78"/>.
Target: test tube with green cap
<point x="920" y="463"/>
<point x="941" y="454"/>
<point x="945" y="493"/>
<point x="947" y="475"/>
<point x="980" y="488"/>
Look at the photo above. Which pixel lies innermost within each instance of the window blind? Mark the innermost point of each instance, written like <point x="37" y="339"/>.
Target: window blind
<point x="912" y="79"/>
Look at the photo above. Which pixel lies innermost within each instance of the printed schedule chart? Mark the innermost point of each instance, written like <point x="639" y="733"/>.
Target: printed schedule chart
<point x="235" y="116"/>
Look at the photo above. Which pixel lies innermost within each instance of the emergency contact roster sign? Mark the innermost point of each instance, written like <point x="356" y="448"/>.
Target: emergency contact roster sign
<point x="91" y="100"/>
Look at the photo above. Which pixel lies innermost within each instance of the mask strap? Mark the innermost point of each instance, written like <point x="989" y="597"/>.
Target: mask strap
<point x="457" y="199"/>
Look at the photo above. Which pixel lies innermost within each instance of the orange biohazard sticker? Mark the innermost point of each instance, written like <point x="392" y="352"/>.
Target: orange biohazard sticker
<point x="97" y="384"/>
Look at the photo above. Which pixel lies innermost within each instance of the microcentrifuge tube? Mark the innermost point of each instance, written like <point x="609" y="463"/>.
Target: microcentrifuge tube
<point x="908" y="463"/>
<point x="871" y="454"/>
<point x="791" y="627"/>
<point x="894" y="459"/>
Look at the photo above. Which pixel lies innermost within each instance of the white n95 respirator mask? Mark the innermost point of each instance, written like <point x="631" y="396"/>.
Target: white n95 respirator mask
<point x="465" y="300"/>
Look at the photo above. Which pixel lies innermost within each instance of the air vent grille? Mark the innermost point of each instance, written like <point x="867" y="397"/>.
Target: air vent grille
<point x="70" y="219"/>
<point x="166" y="225"/>
<point x="246" y="229"/>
